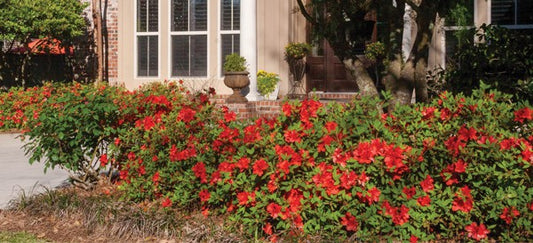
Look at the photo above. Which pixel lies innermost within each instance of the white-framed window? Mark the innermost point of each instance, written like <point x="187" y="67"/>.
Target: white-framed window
<point x="147" y="38"/>
<point x="513" y="14"/>
<point x="456" y="23"/>
<point x="229" y="26"/>
<point x="189" y="38"/>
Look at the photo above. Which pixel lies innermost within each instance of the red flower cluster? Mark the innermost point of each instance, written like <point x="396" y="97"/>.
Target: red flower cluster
<point x="400" y="215"/>
<point x="508" y="214"/>
<point x="463" y="201"/>
<point x="524" y="114"/>
<point x="349" y="222"/>
<point x="477" y="232"/>
<point x="451" y="172"/>
<point x="176" y="155"/>
<point x="199" y="171"/>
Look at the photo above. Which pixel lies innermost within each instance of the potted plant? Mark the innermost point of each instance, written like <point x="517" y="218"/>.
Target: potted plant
<point x="267" y="84"/>
<point x="294" y="54"/>
<point x="236" y="77"/>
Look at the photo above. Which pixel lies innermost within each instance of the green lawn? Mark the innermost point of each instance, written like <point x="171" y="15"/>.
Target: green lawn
<point x="19" y="237"/>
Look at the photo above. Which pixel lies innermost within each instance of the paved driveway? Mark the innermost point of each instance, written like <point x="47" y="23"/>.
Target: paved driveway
<point x="17" y="174"/>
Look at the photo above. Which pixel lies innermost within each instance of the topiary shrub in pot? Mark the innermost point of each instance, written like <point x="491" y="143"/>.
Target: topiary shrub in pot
<point x="236" y="77"/>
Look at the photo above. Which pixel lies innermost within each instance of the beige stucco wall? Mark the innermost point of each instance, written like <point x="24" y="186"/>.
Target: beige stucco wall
<point x="277" y="25"/>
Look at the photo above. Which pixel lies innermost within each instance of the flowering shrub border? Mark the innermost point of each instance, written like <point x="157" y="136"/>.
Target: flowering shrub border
<point x="458" y="168"/>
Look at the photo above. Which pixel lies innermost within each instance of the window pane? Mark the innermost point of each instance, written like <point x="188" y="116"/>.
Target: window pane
<point x="153" y="55"/>
<point x="503" y="12"/>
<point x="225" y="15"/>
<point x="180" y="15"/>
<point x="236" y="14"/>
<point x="230" y="44"/>
<point x="147" y="56"/>
<point x="198" y="15"/>
<point x="141" y="15"/>
<point x="153" y="15"/>
<point x="142" y="56"/>
<point x="180" y="55"/>
<point x="198" y="55"/>
<point x="525" y="12"/>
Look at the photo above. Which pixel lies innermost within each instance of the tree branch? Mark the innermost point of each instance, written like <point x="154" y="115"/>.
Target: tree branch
<point x="305" y="13"/>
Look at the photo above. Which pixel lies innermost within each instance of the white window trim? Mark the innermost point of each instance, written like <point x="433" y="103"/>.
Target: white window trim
<point x="135" y="47"/>
<point x="223" y="32"/>
<point x="508" y="26"/>
<point x="188" y="33"/>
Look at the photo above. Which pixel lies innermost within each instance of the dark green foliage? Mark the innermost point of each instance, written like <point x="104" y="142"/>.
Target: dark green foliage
<point x="499" y="57"/>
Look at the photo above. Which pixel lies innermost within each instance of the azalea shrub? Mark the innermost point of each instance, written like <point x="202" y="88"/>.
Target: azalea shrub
<point x="457" y="168"/>
<point x="18" y="105"/>
<point x="73" y="129"/>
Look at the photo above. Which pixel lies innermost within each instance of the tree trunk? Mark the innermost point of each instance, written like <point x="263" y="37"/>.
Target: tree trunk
<point x="97" y="20"/>
<point x="365" y="83"/>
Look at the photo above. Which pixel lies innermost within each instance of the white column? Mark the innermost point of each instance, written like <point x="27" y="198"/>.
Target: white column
<point x="248" y="44"/>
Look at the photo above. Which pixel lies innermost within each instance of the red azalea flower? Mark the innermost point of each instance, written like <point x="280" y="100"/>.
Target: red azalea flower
<point x="463" y="201"/>
<point x="243" y="198"/>
<point x="527" y="155"/>
<point x="373" y="195"/>
<point x="186" y="115"/>
<point x="287" y="109"/>
<point x="292" y="136"/>
<point x="268" y="229"/>
<point x="523" y="114"/>
<point x="259" y="167"/>
<point x="243" y="164"/>
<point x="409" y="192"/>
<point x="204" y="195"/>
<point x="413" y="239"/>
<point x="200" y="172"/>
<point x="508" y="214"/>
<point x="459" y="166"/>
<point x="424" y="201"/>
<point x="477" y="232"/>
<point x="166" y="203"/>
<point x="427" y="184"/>
<point x="348" y="179"/>
<point x="283" y="166"/>
<point x="428" y="113"/>
<point x="155" y="178"/>
<point x="331" y="126"/>
<point x="349" y="222"/>
<point x="273" y="209"/>
<point x="103" y="160"/>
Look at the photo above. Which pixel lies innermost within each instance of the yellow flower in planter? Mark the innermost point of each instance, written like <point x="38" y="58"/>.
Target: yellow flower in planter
<point x="266" y="82"/>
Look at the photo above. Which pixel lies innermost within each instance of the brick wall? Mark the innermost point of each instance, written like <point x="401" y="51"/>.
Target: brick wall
<point x="111" y="24"/>
<point x="270" y="109"/>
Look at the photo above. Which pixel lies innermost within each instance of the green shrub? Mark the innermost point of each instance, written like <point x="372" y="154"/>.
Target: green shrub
<point x="74" y="128"/>
<point x="498" y="56"/>
<point x="234" y="63"/>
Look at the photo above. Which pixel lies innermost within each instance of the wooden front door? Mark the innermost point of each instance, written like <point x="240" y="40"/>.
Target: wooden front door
<point x="325" y="72"/>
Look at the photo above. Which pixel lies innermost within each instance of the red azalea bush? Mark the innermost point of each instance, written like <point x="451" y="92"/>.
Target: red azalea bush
<point x="454" y="169"/>
<point x="18" y="105"/>
<point x="458" y="168"/>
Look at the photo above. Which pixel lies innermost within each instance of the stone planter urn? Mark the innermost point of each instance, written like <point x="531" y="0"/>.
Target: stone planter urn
<point x="236" y="81"/>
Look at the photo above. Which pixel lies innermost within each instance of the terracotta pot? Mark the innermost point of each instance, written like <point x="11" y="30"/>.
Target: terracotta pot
<point x="236" y="81"/>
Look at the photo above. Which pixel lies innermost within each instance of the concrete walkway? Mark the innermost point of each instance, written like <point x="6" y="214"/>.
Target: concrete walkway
<point x="16" y="174"/>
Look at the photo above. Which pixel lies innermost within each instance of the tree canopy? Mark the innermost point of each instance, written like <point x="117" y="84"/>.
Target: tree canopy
<point x="23" y="20"/>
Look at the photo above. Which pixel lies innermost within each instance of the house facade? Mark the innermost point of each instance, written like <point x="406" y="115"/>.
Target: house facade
<point x="156" y="40"/>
